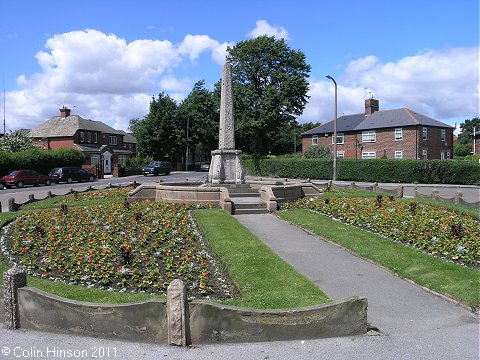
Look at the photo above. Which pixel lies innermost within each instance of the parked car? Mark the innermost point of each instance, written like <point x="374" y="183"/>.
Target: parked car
<point x="70" y="174"/>
<point x="157" y="167"/>
<point x="205" y="166"/>
<point x="20" y="178"/>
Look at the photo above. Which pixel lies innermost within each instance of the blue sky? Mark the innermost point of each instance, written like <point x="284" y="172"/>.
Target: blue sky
<point x="106" y="59"/>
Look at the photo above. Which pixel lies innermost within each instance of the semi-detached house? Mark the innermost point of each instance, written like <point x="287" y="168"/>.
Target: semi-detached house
<point x="101" y="144"/>
<point x="394" y="134"/>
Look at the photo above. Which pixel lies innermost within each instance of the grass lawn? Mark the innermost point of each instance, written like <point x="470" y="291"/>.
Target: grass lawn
<point x="264" y="279"/>
<point x="456" y="281"/>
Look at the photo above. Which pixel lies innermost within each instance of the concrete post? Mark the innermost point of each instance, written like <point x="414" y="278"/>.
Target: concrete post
<point x="49" y="194"/>
<point x="0" y="206"/>
<point x="31" y="197"/>
<point x="458" y="197"/>
<point x="176" y="313"/>
<point x="352" y="185"/>
<point x="13" y="279"/>
<point x="435" y="194"/>
<point x="400" y="192"/>
<point x="375" y="187"/>
<point x="11" y="204"/>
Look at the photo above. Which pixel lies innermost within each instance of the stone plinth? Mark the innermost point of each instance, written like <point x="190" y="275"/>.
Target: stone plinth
<point x="226" y="167"/>
<point x="176" y="313"/>
<point x="13" y="279"/>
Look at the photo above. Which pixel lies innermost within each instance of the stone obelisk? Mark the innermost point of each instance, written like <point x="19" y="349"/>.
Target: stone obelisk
<point x="226" y="165"/>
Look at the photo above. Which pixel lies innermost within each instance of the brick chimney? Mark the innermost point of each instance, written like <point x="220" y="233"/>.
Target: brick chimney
<point x="371" y="105"/>
<point x="64" y="112"/>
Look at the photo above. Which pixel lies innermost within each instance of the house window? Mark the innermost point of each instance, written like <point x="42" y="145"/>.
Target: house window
<point x="424" y="154"/>
<point x="369" y="155"/>
<point x="424" y="133"/>
<point x="122" y="159"/>
<point x="398" y="134"/>
<point x="112" y="140"/>
<point x="399" y="154"/>
<point x="368" y="136"/>
<point x="315" y="140"/>
<point x="95" y="159"/>
<point x="340" y="154"/>
<point x="82" y="136"/>
<point x="89" y="137"/>
<point x="340" y="138"/>
<point x="95" y="138"/>
<point x="442" y="135"/>
<point x="442" y="155"/>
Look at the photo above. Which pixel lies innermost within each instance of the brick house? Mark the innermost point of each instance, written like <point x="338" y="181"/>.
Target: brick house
<point x="101" y="144"/>
<point x="394" y="134"/>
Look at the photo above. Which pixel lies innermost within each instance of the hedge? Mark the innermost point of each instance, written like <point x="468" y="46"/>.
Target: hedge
<point x="41" y="160"/>
<point x="378" y="170"/>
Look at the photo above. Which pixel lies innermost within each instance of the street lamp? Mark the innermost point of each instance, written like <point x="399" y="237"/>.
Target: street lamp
<point x="334" y="132"/>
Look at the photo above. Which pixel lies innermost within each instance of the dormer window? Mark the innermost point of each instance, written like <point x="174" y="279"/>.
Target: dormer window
<point x="112" y="140"/>
<point x="82" y="136"/>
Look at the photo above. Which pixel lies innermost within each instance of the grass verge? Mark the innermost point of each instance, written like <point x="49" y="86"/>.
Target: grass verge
<point x="455" y="281"/>
<point x="264" y="279"/>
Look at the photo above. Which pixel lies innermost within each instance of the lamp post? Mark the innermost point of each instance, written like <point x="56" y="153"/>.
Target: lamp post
<point x="186" y="152"/>
<point x="334" y="132"/>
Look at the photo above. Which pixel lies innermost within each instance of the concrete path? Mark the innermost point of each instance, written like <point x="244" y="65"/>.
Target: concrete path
<point x="395" y="306"/>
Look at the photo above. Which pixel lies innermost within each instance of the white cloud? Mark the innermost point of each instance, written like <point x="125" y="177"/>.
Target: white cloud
<point x="105" y="77"/>
<point x="262" y="27"/>
<point x="440" y="84"/>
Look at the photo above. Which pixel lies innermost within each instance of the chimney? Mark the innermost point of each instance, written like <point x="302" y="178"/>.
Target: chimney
<point x="64" y="112"/>
<point x="371" y="105"/>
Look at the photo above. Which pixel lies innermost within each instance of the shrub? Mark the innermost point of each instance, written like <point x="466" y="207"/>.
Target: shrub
<point x="318" y="152"/>
<point x="41" y="160"/>
<point x="378" y="170"/>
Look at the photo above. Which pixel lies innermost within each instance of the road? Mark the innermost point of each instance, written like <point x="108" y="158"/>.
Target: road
<point x="470" y="193"/>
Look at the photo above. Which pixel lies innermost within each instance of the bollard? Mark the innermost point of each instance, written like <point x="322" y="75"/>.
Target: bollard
<point x="435" y="194"/>
<point x="11" y="204"/>
<point x="176" y="313"/>
<point x="31" y="197"/>
<point x="458" y="197"/>
<point x="400" y="192"/>
<point x="0" y="206"/>
<point x="13" y="279"/>
<point x="49" y="194"/>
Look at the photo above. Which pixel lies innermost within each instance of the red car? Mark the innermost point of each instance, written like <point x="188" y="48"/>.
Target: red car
<point x="20" y="178"/>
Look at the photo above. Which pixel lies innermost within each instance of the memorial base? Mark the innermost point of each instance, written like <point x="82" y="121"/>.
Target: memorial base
<point x="226" y="167"/>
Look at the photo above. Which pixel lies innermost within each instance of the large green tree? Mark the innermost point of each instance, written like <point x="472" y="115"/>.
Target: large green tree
<point x="270" y="91"/>
<point x="158" y="132"/>
<point x="199" y="113"/>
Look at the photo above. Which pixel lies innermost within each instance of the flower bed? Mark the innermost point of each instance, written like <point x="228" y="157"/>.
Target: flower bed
<point x="99" y="194"/>
<point x="127" y="247"/>
<point x="434" y="229"/>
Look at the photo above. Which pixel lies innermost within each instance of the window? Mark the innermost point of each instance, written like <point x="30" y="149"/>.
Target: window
<point x="424" y="133"/>
<point x="368" y="136"/>
<point x="122" y="159"/>
<point x="89" y="137"/>
<point x="95" y="138"/>
<point x="82" y="136"/>
<point x="424" y="154"/>
<point x="442" y="135"/>
<point x="112" y="140"/>
<point x="399" y="154"/>
<point x="442" y="155"/>
<point x="369" y="155"/>
<point x="340" y="138"/>
<point x="398" y="134"/>
<point x="315" y="140"/>
<point x="95" y="159"/>
<point x="340" y="154"/>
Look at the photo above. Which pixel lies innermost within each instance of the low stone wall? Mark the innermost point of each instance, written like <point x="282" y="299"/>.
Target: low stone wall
<point x="275" y="195"/>
<point x="170" y="322"/>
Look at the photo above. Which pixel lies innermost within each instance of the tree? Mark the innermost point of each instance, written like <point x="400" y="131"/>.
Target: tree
<point x="158" y="133"/>
<point x="270" y="90"/>
<point x="464" y="145"/>
<point x="15" y="142"/>
<point x="199" y="112"/>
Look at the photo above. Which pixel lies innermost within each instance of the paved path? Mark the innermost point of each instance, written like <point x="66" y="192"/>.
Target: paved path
<point x="395" y="306"/>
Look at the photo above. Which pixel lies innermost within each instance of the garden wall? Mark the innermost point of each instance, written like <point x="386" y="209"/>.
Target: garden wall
<point x="207" y="322"/>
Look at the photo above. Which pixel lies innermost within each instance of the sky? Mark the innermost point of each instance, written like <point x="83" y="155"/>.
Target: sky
<point x="106" y="59"/>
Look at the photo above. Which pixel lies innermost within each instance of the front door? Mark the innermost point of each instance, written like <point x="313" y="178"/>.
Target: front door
<point x="107" y="162"/>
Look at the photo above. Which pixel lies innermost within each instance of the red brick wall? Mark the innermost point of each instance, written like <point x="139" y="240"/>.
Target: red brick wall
<point x="385" y="143"/>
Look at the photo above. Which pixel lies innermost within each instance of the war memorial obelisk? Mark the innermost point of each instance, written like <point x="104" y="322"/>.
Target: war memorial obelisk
<point x="226" y="164"/>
